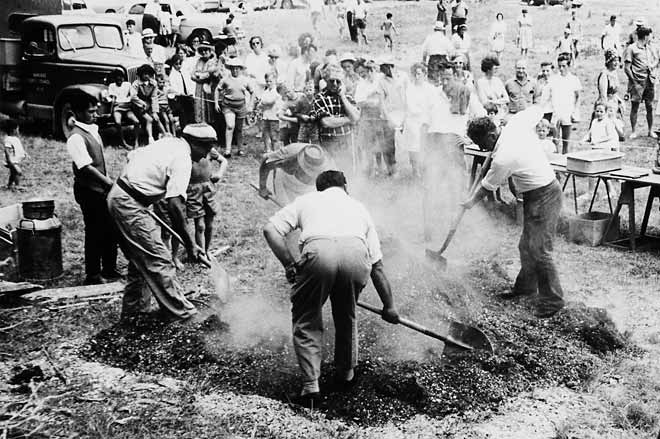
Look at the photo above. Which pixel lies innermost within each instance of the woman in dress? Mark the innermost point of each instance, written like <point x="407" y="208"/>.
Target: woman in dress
<point x="608" y="82"/>
<point x="369" y="97"/>
<point x="525" y="37"/>
<point x="498" y="35"/>
<point x="417" y="96"/>
<point x="490" y="88"/>
<point x="203" y="75"/>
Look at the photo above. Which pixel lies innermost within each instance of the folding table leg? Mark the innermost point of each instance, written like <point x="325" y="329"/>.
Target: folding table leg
<point x="574" y="195"/>
<point x="593" y="197"/>
<point x="654" y="193"/>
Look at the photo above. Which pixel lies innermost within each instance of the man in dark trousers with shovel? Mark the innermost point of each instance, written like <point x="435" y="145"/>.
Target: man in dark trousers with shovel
<point x="340" y="251"/>
<point x="157" y="171"/>
<point x="520" y="155"/>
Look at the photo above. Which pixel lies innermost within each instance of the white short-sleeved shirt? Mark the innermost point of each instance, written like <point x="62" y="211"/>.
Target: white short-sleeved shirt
<point x="520" y="155"/>
<point x="75" y="145"/>
<point x="160" y="169"/>
<point x="122" y="93"/>
<point x="14" y="148"/>
<point x="562" y="96"/>
<point x="603" y="134"/>
<point x="331" y="213"/>
<point x="612" y="36"/>
<point x="437" y="44"/>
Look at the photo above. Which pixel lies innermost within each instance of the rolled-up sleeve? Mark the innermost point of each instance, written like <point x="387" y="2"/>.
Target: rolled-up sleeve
<point x="373" y="243"/>
<point x="286" y="219"/>
<point x="77" y="150"/>
<point x="178" y="177"/>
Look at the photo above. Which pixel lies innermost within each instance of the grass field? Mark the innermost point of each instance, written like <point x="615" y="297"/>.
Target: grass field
<point x="620" y="400"/>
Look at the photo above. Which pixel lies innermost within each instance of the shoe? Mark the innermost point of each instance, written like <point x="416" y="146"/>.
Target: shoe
<point x="226" y="155"/>
<point x="653" y="135"/>
<point x="309" y="400"/>
<point x="112" y="275"/>
<point x="545" y="314"/>
<point x="342" y="386"/>
<point x="512" y="295"/>
<point x="633" y="135"/>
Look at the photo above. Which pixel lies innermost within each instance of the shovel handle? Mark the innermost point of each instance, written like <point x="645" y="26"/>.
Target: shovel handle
<point x="277" y="203"/>
<point x="176" y="236"/>
<point x="417" y="327"/>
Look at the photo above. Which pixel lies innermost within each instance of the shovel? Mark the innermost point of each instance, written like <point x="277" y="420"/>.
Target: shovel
<point x="219" y="276"/>
<point x="277" y="203"/>
<point x="436" y="255"/>
<point x="457" y="338"/>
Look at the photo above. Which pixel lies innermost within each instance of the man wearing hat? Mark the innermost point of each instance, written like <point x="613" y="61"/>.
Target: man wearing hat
<point x="154" y="53"/>
<point x="340" y="252"/>
<point x="158" y="171"/>
<point x="436" y="49"/>
<point x="632" y="37"/>
<point x="295" y="168"/>
<point x="611" y="37"/>
<point x="347" y="62"/>
<point x="336" y="112"/>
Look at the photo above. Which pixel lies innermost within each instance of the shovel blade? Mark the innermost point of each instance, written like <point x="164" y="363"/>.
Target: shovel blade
<point x="467" y="335"/>
<point x="436" y="256"/>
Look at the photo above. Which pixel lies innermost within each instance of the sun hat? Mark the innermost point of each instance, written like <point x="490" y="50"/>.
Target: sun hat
<point x="200" y="132"/>
<point x="385" y="60"/>
<point x="347" y="56"/>
<point x="439" y="25"/>
<point x="274" y="51"/>
<point x="313" y="160"/>
<point x="234" y="62"/>
<point x="148" y="33"/>
<point x="639" y="21"/>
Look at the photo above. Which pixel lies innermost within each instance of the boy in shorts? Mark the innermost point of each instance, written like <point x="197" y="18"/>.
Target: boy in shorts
<point x="201" y="205"/>
<point x="388" y="28"/>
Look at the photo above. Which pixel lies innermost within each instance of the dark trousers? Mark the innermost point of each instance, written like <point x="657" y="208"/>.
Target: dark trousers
<point x="537" y="269"/>
<point x="100" y="232"/>
<point x="565" y="134"/>
<point x="352" y="29"/>
<point x="388" y="147"/>
<point x="185" y="108"/>
<point x="455" y="22"/>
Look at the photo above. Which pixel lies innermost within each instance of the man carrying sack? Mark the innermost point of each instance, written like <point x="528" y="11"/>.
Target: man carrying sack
<point x="340" y="251"/>
<point x="520" y="155"/>
<point x="159" y="170"/>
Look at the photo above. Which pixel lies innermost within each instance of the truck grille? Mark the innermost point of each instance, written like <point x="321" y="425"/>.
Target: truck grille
<point x="132" y="74"/>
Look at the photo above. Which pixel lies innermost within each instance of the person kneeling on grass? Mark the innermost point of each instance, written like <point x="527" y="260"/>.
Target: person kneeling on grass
<point x="201" y="203"/>
<point x="519" y="154"/>
<point x="145" y="98"/>
<point x="340" y="251"/>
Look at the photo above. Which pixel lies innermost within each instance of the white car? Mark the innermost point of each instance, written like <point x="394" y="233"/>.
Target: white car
<point x="105" y="6"/>
<point x="186" y="20"/>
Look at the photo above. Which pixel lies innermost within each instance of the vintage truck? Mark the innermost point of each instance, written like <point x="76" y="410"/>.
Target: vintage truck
<point x="45" y="59"/>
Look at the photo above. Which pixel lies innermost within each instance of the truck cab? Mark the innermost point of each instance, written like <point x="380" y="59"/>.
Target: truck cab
<point x="56" y="56"/>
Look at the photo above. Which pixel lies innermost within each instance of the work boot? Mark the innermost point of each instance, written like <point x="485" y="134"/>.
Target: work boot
<point x="656" y="165"/>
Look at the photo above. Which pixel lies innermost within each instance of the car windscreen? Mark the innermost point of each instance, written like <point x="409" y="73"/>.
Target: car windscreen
<point x="108" y="37"/>
<point x="75" y="37"/>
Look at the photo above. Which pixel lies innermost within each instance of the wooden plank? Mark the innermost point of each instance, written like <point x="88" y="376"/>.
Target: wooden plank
<point x="54" y="294"/>
<point x="17" y="288"/>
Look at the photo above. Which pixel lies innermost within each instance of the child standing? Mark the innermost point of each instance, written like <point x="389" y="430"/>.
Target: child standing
<point x="603" y="133"/>
<point x="543" y="129"/>
<point x="165" y="116"/>
<point x="289" y="125"/>
<point x="302" y="111"/>
<point x="14" y="153"/>
<point x="231" y="99"/>
<point x="145" y="98"/>
<point x="341" y="18"/>
<point x="388" y="27"/>
<point x="565" y="44"/>
<point x="270" y="106"/>
<point x="119" y="93"/>
<point x="201" y="204"/>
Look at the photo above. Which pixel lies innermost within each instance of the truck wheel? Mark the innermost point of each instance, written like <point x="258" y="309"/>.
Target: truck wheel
<point x="287" y="4"/>
<point x="65" y="120"/>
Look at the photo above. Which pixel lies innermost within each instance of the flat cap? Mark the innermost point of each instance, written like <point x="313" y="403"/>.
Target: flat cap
<point x="200" y="132"/>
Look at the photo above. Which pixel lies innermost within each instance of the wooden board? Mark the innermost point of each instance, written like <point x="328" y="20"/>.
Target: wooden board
<point x="17" y="288"/>
<point x="76" y="292"/>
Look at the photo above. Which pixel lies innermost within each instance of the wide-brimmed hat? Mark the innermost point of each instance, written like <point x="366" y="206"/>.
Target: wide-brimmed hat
<point x="439" y="25"/>
<point x="200" y="132"/>
<point x="347" y="56"/>
<point x="639" y="21"/>
<point x="313" y="160"/>
<point x="234" y="62"/>
<point x="148" y="33"/>
<point x="274" y="51"/>
<point x="203" y="44"/>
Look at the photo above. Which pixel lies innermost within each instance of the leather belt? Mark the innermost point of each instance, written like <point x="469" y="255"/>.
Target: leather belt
<point x="138" y="196"/>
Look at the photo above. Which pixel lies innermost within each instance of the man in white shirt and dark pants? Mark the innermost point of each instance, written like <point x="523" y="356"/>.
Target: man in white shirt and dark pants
<point x="156" y="171"/>
<point x="340" y="251"/>
<point x="519" y="154"/>
<point x="91" y="184"/>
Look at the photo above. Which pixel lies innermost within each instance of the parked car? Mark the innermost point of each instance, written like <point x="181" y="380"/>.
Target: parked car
<point x="574" y="3"/>
<point x="186" y="20"/>
<point x="289" y="4"/>
<point x="105" y="6"/>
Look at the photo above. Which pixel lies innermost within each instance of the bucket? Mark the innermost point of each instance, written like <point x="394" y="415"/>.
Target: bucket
<point x="38" y="209"/>
<point x="39" y="249"/>
<point x="589" y="228"/>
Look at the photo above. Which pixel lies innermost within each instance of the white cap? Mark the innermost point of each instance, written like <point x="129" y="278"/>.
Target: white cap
<point x="200" y="132"/>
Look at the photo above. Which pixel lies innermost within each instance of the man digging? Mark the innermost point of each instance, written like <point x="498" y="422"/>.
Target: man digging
<point x="520" y="155"/>
<point x="340" y="250"/>
<point x="159" y="170"/>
